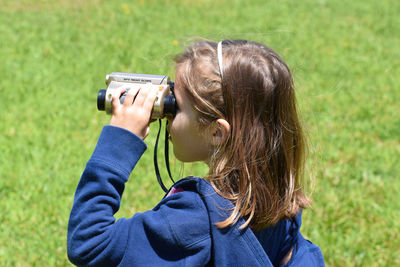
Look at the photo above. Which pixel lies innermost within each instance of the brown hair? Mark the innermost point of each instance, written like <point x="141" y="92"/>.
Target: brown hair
<point x="260" y="167"/>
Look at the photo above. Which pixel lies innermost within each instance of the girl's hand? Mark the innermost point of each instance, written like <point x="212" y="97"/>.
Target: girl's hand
<point x="134" y="114"/>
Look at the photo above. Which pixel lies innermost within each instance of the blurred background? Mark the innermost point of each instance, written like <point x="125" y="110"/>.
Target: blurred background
<point x="345" y="58"/>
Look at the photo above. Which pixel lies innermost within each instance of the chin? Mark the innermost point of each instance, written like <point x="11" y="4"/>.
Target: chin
<point x="183" y="158"/>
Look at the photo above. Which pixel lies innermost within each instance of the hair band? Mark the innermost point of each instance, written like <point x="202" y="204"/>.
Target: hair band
<point x="219" y="52"/>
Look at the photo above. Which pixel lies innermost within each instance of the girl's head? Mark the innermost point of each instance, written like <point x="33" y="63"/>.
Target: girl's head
<point x="248" y="127"/>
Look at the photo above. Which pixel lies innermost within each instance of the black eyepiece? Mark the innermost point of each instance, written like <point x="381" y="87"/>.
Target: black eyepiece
<point x="101" y="99"/>
<point x="170" y="106"/>
<point x="171" y="85"/>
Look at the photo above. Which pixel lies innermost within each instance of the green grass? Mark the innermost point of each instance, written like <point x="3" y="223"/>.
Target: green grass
<point x="54" y="56"/>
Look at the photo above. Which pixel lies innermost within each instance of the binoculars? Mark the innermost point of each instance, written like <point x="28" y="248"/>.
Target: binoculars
<point x="165" y="103"/>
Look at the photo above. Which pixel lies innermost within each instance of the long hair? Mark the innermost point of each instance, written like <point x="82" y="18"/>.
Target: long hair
<point x="260" y="166"/>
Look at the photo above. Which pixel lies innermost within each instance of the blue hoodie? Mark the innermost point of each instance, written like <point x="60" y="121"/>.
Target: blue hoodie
<point x="179" y="231"/>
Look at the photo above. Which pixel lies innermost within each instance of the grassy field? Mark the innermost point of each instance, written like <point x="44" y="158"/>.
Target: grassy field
<point x="54" y="55"/>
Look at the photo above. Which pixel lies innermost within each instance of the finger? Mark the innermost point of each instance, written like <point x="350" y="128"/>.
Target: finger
<point x="141" y="96"/>
<point x="146" y="100"/>
<point x="150" y="99"/>
<point x="130" y="96"/>
<point x="116" y="96"/>
<point x="115" y="102"/>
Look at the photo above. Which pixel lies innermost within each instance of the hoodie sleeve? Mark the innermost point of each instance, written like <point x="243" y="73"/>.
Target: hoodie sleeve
<point x="152" y="238"/>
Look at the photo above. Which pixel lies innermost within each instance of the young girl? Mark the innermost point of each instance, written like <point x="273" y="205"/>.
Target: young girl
<point x="237" y="112"/>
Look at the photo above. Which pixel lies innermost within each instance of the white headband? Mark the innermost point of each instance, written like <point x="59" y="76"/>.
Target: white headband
<point x="219" y="52"/>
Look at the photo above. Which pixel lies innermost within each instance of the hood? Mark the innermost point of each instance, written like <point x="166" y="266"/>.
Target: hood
<point x="279" y="239"/>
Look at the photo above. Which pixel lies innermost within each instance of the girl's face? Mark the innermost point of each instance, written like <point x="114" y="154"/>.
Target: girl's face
<point x="190" y="142"/>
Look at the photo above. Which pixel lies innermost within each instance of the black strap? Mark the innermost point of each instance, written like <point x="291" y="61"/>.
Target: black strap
<point x="166" y="151"/>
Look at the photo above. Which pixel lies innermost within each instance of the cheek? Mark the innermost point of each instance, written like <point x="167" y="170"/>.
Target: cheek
<point x="175" y="127"/>
<point x="179" y="133"/>
<point x="188" y="144"/>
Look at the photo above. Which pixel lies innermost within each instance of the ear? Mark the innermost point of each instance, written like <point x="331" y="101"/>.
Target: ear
<point x="220" y="132"/>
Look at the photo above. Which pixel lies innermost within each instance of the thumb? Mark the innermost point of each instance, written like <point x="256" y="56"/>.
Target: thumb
<point x="147" y="132"/>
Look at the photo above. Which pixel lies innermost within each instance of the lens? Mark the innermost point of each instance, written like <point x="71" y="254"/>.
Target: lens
<point x="101" y="99"/>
